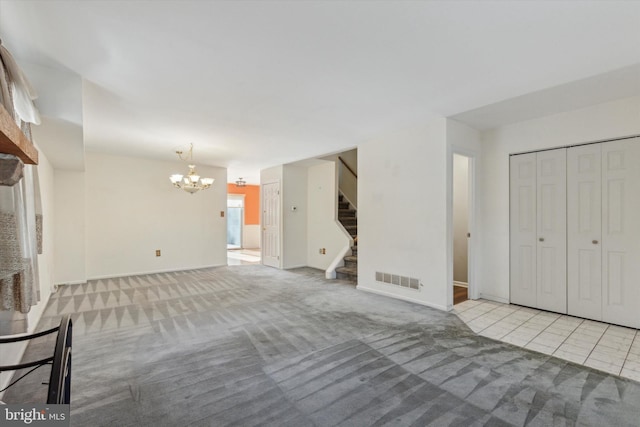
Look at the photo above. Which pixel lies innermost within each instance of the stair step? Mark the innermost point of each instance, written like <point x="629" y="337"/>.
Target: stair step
<point x="347" y="273"/>
<point x="347" y="270"/>
<point x="346" y="212"/>
<point x="351" y="264"/>
<point x="348" y="221"/>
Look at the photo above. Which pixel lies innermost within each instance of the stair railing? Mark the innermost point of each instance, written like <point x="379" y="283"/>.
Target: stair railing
<point x="348" y="167"/>
<point x="348" y="183"/>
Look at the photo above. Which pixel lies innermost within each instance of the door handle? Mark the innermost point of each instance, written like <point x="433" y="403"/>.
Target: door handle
<point x="595" y="242"/>
<point x="541" y="239"/>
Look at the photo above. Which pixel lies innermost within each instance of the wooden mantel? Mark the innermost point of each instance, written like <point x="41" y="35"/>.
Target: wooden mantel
<point x="13" y="141"/>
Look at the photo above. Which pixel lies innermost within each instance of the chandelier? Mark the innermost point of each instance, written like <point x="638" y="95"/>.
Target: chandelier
<point x="241" y="183"/>
<point x="192" y="183"/>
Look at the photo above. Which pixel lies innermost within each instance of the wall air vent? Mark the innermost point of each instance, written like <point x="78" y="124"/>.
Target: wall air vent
<point x="396" y="280"/>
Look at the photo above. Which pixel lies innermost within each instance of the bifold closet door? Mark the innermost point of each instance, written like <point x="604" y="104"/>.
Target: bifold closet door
<point x="538" y="234"/>
<point x="584" y="231"/>
<point x="621" y="232"/>
<point x="522" y="224"/>
<point x="552" y="230"/>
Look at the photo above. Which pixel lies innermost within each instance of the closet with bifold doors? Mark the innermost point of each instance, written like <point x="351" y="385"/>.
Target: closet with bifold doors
<point x="575" y="231"/>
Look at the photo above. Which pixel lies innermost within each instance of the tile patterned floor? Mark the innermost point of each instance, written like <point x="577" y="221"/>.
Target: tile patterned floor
<point x="243" y="256"/>
<point x="609" y="348"/>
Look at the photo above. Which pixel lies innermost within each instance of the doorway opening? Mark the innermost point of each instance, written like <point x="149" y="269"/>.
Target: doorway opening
<point x="235" y="220"/>
<point x="462" y="201"/>
<point x="237" y="253"/>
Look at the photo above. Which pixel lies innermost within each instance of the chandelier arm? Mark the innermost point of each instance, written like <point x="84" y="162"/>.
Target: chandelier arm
<point x="189" y="155"/>
<point x="186" y="183"/>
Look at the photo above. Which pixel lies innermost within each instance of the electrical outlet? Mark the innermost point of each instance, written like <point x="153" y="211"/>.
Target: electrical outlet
<point x="320" y="251"/>
<point x="157" y="252"/>
<point x="324" y="251"/>
<point x="221" y="214"/>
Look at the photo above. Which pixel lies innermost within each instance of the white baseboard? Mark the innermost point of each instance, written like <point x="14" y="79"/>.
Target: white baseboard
<point x="401" y="297"/>
<point x="298" y="266"/>
<point x="142" y="273"/>
<point x="72" y="282"/>
<point x="494" y="298"/>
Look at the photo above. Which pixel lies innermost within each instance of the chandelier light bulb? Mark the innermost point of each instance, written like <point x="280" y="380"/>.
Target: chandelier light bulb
<point x="191" y="183"/>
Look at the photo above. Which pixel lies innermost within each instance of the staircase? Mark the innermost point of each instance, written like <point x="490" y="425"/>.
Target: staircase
<point x="348" y="219"/>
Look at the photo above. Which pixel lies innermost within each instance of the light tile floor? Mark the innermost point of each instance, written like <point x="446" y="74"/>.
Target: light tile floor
<point x="243" y="256"/>
<point x="609" y="348"/>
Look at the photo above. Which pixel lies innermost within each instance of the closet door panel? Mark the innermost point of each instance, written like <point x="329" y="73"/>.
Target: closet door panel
<point x="523" y="229"/>
<point x="621" y="232"/>
<point x="551" y="274"/>
<point x="584" y="254"/>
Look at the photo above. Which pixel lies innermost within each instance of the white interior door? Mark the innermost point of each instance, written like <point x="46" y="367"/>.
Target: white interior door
<point x="551" y="274"/>
<point x="584" y="229"/>
<point x="271" y="224"/>
<point x="620" y="232"/>
<point x="523" y="229"/>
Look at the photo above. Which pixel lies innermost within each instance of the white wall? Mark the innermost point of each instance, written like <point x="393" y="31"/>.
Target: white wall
<point x="294" y="193"/>
<point x="271" y="175"/>
<point x="132" y="210"/>
<point x="251" y="236"/>
<point x="402" y="212"/>
<point x="603" y="121"/>
<point x="460" y="217"/>
<point x="70" y="227"/>
<point x="323" y="229"/>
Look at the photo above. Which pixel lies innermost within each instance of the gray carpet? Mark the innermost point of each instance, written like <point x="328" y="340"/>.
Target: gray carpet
<point x="255" y="346"/>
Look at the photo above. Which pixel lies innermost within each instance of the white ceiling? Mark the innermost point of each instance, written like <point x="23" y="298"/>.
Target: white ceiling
<point x="256" y="84"/>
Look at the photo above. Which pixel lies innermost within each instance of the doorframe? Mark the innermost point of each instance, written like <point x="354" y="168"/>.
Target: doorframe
<point x="472" y="290"/>
<point x="237" y="197"/>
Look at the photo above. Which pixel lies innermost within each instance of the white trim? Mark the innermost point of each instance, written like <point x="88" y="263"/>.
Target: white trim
<point x="461" y="284"/>
<point x="401" y="297"/>
<point x="296" y="266"/>
<point x="236" y="196"/>
<point x="72" y="282"/>
<point x="338" y="261"/>
<point x="142" y="273"/>
<point x="494" y="298"/>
